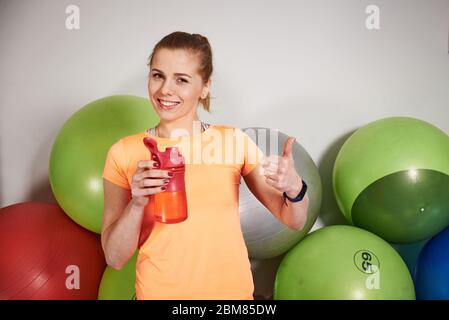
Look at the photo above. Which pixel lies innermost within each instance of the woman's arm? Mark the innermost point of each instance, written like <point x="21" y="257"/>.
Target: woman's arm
<point x="122" y="219"/>
<point x="124" y="210"/>
<point x="268" y="182"/>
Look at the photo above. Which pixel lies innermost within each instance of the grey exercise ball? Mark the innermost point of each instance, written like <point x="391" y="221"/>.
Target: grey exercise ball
<point x="265" y="236"/>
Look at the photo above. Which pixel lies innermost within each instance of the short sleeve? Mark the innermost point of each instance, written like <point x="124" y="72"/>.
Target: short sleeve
<point x="114" y="168"/>
<point x="252" y="154"/>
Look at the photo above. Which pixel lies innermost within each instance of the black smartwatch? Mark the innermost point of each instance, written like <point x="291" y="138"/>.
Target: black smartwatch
<point x="300" y="196"/>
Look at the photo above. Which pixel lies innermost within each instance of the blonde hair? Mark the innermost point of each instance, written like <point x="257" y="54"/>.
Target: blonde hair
<point x="195" y="43"/>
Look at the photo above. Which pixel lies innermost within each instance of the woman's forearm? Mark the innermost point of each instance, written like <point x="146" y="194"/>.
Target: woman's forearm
<point x="294" y="214"/>
<point x="121" y="238"/>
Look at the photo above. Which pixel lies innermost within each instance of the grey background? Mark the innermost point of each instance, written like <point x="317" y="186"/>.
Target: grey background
<point x="309" y="68"/>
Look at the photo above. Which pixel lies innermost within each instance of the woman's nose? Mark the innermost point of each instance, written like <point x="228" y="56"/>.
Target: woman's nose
<point x="166" y="88"/>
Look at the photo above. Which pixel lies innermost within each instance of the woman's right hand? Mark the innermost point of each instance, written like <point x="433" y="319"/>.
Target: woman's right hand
<point x="148" y="180"/>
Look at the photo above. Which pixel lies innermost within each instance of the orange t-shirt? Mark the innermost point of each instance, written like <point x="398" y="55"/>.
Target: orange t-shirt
<point x="205" y="256"/>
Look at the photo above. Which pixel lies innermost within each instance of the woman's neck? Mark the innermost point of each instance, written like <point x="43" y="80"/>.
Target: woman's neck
<point x="178" y="128"/>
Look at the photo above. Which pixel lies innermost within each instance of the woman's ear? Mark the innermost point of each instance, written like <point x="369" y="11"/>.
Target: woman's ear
<point x="206" y="89"/>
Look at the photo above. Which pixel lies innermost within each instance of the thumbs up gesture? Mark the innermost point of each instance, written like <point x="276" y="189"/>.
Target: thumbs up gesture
<point x="280" y="172"/>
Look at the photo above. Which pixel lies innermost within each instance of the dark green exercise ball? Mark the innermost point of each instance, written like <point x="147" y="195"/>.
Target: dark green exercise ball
<point x="343" y="263"/>
<point x="391" y="177"/>
<point x="79" y="152"/>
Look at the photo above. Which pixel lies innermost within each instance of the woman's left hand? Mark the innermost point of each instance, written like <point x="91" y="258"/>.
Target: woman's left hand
<point x="280" y="172"/>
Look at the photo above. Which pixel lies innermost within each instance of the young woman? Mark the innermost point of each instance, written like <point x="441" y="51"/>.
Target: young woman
<point x="203" y="257"/>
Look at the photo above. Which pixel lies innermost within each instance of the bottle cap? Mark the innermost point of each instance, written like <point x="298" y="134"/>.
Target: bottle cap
<point x="170" y="158"/>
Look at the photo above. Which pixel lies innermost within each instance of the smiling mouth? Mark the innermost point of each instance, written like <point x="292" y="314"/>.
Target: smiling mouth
<point x="167" y="105"/>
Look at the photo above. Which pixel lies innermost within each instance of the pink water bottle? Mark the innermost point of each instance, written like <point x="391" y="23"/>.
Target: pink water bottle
<point x="169" y="206"/>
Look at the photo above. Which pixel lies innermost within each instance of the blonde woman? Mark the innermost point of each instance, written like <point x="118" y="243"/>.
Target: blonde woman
<point x="203" y="257"/>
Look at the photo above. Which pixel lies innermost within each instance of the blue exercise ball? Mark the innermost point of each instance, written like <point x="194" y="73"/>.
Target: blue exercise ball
<point x="432" y="270"/>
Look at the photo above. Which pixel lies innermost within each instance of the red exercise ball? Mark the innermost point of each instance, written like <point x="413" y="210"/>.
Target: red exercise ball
<point x="45" y="255"/>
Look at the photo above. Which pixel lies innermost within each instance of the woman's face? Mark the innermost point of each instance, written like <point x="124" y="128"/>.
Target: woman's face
<point x="175" y="86"/>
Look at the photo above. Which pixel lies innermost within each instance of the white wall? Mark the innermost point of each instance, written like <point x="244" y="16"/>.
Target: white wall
<point x="310" y="68"/>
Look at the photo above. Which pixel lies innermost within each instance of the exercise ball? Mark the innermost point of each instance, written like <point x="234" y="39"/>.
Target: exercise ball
<point x="265" y="236"/>
<point x="391" y="177"/>
<point x="47" y="256"/>
<point x="409" y="253"/>
<point x="432" y="269"/>
<point x="79" y="153"/>
<point x="343" y="263"/>
<point x="119" y="284"/>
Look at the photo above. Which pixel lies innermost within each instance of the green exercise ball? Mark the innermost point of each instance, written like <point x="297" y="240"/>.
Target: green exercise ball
<point x="343" y="263"/>
<point x="119" y="284"/>
<point x="391" y="177"/>
<point x="79" y="152"/>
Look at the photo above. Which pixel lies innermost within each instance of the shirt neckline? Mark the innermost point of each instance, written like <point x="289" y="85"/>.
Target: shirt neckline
<point x="179" y="138"/>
